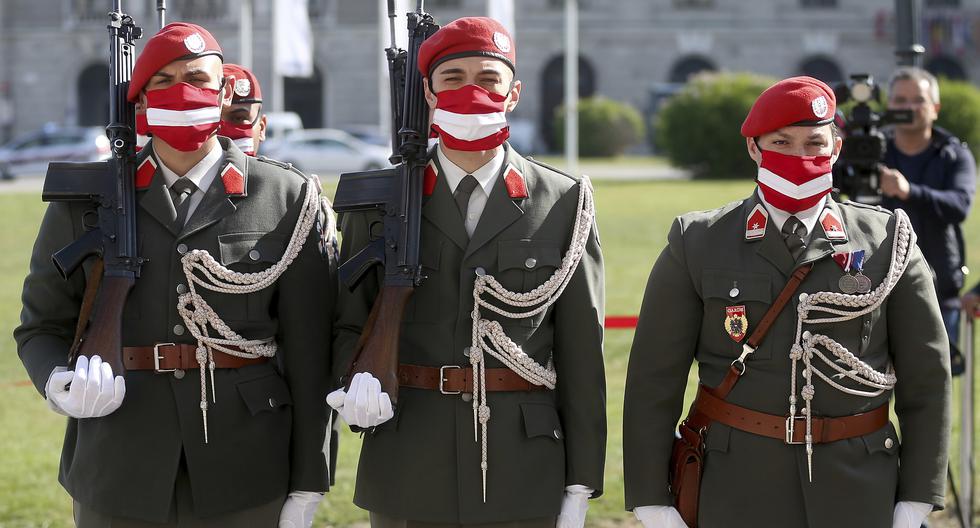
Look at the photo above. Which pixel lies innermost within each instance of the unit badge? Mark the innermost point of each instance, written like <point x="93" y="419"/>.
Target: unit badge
<point x="736" y="324"/>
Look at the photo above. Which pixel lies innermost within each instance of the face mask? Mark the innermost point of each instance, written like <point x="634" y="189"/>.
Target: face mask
<point x="142" y="129"/>
<point x="183" y="116"/>
<point x="470" y="118"/>
<point x="794" y="183"/>
<point x="241" y="133"/>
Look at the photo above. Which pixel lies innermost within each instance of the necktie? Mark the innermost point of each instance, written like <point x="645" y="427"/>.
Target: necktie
<point x="793" y="233"/>
<point x="181" y="192"/>
<point x="462" y="195"/>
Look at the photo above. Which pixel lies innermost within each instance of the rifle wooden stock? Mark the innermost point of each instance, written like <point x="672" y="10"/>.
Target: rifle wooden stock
<point x="102" y="333"/>
<point x="377" y="349"/>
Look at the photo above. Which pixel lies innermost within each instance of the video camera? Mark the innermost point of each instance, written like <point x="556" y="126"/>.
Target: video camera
<point x="856" y="172"/>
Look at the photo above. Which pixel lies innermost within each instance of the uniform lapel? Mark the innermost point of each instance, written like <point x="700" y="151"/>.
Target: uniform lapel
<point x="216" y="204"/>
<point x="440" y="209"/>
<point x="155" y="199"/>
<point x="501" y="210"/>
<point x="770" y="246"/>
<point x="821" y="244"/>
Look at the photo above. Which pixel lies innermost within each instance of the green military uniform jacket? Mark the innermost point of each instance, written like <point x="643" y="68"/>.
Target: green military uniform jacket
<point x="424" y="464"/>
<point x="752" y="481"/>
<point x="266" y="428"/>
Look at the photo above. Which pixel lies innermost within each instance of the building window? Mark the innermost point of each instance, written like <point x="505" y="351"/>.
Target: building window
<point x="942" y="3"/>
<point x="560" y="4"/>
<point x="818" y="4"/>
<point x="946" y="66"/>
<point x="689" y="66"/>
<point x="86" y="10"/>
<point x="694" y="4"/>
<point x="317" y="8"/>
<point x="822" y="68"/>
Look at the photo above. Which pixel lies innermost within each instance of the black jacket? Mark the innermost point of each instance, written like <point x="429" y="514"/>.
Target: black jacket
<point x="939" y="200"/>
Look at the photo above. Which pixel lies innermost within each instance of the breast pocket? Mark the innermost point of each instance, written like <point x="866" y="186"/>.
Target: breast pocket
<point x="524" y="265"/>
<point x="249" y="253"/>
<point x="734" y="303"/>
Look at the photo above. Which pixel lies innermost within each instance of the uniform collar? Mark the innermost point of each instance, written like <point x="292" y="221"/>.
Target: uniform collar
<point x="486" y="175"/>
<point x="778" y="217"/>
<point x="201" y="174"/>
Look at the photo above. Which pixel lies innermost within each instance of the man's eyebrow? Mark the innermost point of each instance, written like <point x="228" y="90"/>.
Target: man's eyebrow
<point x="451" y="71"/>
<point x="163" y="75"/>
<point x="816" y="135"/>
<point x="489" y="71"/>
<point x="196" y="71"/>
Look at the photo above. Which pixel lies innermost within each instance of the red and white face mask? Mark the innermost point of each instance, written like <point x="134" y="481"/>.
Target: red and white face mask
<point x="470" y="118"/>
<point x="142" y="131"/>
<point x="243" y="134"/>
<point x="794" y="183"/>
<point x="183" y="115"/>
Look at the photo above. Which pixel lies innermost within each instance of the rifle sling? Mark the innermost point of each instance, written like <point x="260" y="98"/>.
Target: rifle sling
<point x="92" y="284"/>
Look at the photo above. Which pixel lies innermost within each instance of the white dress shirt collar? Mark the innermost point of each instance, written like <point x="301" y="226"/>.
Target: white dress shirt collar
<point x="202" y="174"/>
<point x="485" y="175"/>
<point x="779" y="217"/>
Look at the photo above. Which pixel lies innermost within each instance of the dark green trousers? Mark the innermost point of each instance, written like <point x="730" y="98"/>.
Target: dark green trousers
<point x="182" y="513"/>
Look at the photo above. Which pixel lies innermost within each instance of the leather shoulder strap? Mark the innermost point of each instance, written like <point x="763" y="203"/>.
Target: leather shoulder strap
<point x="752" y="343"/>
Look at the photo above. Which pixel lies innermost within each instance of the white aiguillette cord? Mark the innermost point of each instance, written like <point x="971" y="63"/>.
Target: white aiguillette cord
<point x="198" y="314"/>
<point x="489" y="336"/>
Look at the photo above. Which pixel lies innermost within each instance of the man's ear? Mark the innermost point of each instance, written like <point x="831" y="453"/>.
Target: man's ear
<point x="227" y="92"/>
<point x="838" y="143"/>
<point x="515" y="96"/>
<point x="429" y="96"/>
<point x="754" y="152"/>
<point x="260" y="133"/>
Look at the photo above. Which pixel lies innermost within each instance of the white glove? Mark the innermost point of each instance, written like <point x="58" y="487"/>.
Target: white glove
<point x="659" y="517"/>
<point x="299" y="509"/>
<point x="364" y="405"/>
<point x="94" y="392"/>
<point x="574" y="506"/>
<point x="909" y="514"/>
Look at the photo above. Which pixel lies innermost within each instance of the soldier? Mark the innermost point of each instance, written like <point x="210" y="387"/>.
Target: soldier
<point x="243" y="121"/>
<point x="219" y="418"/>
<point x="863" y="325"/>
<point x="505" y="425"/>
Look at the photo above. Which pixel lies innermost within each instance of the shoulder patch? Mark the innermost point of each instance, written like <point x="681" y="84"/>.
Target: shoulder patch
<point x="233" y="180"/>
<point x="514" y="181"/>
<point x="430" y="176"/>
<point x="145" y="172"/>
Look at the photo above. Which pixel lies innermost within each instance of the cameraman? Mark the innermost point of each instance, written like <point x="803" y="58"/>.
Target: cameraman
<point x="931" y="175"/>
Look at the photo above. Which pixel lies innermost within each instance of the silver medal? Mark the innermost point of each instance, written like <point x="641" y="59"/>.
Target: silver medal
<point x="848" y="284"/>
<point x="863" y="283"/>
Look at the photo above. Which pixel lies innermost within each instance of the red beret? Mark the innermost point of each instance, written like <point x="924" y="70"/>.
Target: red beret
<point x="179" y="40"/>
<point x="247" y="89"/>
<point x="467" y="37"/>
<point x="799" y="101"/>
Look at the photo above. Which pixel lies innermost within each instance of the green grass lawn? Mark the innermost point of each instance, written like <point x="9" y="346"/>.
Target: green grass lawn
<point x="633" y="221"/>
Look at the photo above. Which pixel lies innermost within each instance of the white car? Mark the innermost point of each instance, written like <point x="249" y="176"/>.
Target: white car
<point x="29" y="154"/>
<point x="327" y="152"/>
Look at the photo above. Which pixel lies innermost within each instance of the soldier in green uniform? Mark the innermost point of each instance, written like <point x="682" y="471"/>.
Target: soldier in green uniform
<point x="219" y="419"/>
<point x="500" y="419"/>
<point x="804" y="437"/>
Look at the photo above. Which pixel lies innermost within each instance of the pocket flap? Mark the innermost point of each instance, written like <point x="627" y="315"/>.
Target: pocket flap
<point x="541" y="419"/>
<point x="527" y="254"/>
<point x="883" y="440"/>
<point x="265" y="393"/>
<point x="251" y="248"/>
<point x="717" y="438"/>
<point x="750" y="286"/>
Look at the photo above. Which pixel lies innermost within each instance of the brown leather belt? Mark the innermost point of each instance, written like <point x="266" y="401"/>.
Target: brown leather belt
<point x="167" y="357"/>
<point x="454" y="379"/>
<point x="710" y="408"/>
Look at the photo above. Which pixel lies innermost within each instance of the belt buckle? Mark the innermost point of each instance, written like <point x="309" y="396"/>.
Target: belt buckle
<point x="157" y="358"/>
<point x="790" y="427"/>
<point x="442" y="379"/>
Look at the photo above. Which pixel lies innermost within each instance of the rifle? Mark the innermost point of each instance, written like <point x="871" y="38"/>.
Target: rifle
<point x="109" y="186"/>
<point x="397" y="194"/>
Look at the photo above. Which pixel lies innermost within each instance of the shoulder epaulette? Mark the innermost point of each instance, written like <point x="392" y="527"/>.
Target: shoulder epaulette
<point x="553" y="169"/>
<point x="282" y="165"/>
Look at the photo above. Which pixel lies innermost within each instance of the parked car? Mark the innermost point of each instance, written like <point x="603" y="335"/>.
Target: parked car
<point x="370" y="134"/>
<point x="327" y="152"/>
<point x="30" y="153"/>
